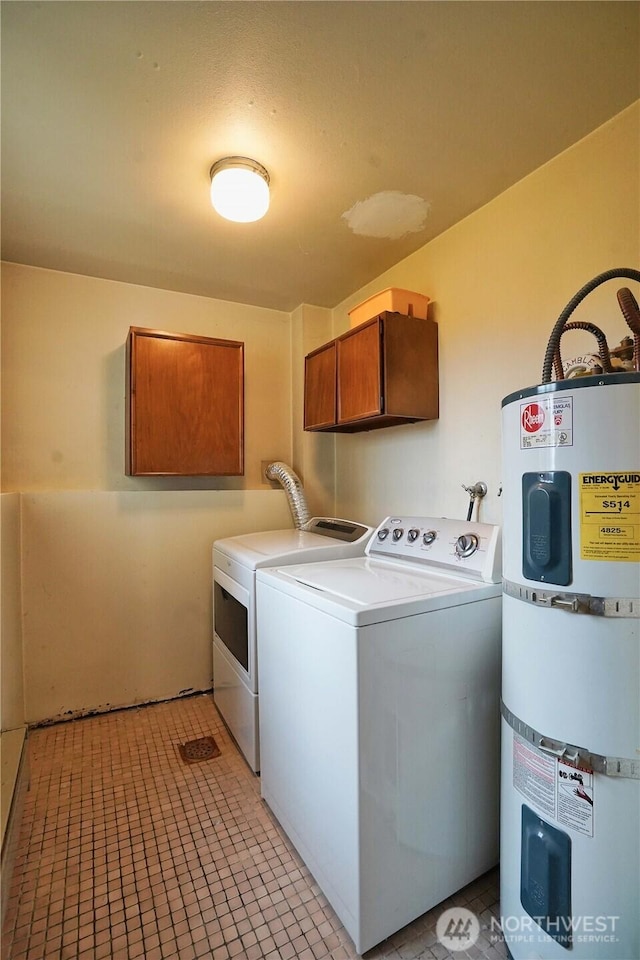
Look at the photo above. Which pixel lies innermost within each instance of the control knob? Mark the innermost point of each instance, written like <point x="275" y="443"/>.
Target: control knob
<point x="429" y="537"/>
<point x="397" y="533"/>
<point x="413" y="535"/>
<point x="466" y="545"/>
<point x="383" y="534"/>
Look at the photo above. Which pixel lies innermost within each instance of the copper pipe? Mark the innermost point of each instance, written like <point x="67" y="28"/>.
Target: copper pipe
<point x="557" y="364"/>
<point x="558" y="327"/>
<point x="631" y="313"/>
<point x="603" y="346"/>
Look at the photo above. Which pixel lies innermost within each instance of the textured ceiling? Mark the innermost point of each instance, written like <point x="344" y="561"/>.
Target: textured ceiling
<point x="381" y="124"/>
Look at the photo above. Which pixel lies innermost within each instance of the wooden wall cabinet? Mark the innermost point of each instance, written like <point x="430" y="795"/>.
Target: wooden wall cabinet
<point x="378" y="374"/>
<point x="185" y="405"/>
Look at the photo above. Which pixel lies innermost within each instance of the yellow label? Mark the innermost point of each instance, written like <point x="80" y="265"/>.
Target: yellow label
<point x="610" y="516"/>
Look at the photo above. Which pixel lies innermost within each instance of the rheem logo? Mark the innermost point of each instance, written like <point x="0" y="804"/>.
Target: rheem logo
<point x="532" y="417"/>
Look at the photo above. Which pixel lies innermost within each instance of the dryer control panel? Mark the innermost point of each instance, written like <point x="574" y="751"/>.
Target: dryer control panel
<point x="469" y="549"/>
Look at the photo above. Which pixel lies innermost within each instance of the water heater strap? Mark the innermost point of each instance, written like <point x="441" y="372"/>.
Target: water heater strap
<point x="579" y="756"/>
<point x="574" y="602"/>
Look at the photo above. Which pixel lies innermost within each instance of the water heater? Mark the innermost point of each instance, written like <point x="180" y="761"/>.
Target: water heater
<point x="570" y="805"/>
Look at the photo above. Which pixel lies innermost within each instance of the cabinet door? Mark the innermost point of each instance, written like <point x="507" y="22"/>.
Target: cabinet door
<point x="320" y="388"/>
<point x="359" y="373"/>
<point x="185" y="405"/>
<point x="410" y="367"/>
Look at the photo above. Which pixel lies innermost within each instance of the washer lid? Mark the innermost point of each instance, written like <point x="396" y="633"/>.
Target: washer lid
<point x="373" y="583"/>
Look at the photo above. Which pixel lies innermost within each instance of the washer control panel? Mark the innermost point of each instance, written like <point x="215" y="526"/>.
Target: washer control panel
<point x="464" y="547"/>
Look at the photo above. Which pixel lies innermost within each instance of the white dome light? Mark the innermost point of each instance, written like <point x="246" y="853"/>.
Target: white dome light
<point x="239" y="189"/>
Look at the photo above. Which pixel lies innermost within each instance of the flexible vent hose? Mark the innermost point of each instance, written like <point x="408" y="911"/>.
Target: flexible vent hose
<point x="603" y="346"/>
<point x="631" y="313"/>
<point x="556" y="333"/>
<point x="292" y="486"/>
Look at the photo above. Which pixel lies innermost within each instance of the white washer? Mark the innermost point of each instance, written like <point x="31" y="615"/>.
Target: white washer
<point x="379" y="717"/>
<point x="235" y="561"/>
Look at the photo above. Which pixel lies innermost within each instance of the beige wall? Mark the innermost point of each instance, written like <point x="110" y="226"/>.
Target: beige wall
<point x="313" y="453"/>
<point x="11" y="684"/>
<point x="63" y="355"/>
<point x="499" y="280"/>
<point x="117" y="598"/>
<point x="116" y="569"/>
<point x="12" y="705"/>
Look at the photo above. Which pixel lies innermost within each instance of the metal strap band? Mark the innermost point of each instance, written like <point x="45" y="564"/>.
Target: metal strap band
<point x="579" y="756"/>
<point x="574" y="602"/>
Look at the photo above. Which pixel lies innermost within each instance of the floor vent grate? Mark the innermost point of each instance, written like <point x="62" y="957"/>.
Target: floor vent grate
<point x="193" y="751"/>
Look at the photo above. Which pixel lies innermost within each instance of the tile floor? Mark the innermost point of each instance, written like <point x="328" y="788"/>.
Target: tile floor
<point x="128" y="852"/>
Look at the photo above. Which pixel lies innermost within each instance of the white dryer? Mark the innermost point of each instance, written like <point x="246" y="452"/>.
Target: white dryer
<point x="235" y="561"/>
<point x="380" y="717"/>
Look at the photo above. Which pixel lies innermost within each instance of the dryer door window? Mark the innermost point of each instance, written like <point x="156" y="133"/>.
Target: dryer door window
<point x="231" y="624"/>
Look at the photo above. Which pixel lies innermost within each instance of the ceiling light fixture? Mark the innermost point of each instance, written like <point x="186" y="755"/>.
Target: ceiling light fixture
<point x="239" y="189"/>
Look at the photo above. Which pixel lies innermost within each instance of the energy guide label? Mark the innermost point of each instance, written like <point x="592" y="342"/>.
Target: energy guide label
<point x="610" y="516"/>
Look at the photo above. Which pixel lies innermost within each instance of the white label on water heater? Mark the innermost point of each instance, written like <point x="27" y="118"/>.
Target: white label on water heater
<point x="534" y="775"/>
<point x="560" y="791"/>
<point x="546" y="422"/>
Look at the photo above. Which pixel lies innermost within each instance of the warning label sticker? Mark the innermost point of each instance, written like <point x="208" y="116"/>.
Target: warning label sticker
<point x="610" y="516"/>
<point x="575" y="798"/>
<point x="546" y="422"/>
<point x="534" y="775"/>
<point x="563" y="792"/>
